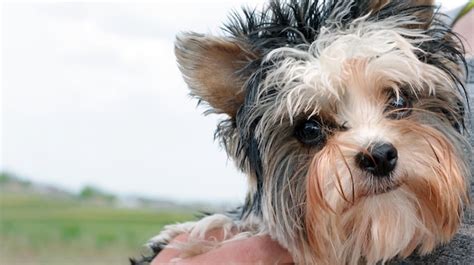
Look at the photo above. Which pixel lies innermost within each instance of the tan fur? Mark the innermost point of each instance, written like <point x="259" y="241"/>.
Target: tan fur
<point x="427" y="204"/>
<point x="379" y="4"/>
<point x="376" y="5"/>
<point x="211" y="66"/>
<point x="346" y="218"/>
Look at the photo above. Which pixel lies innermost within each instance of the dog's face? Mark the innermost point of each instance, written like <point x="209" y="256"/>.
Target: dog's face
<point x="348" y="120"/>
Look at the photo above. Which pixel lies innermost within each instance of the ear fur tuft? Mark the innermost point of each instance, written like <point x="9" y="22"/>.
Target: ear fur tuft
<point x="212" y="68"/>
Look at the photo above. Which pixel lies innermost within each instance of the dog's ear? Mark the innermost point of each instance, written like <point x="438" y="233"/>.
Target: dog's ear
<point x="424" y="14"/>
<point x="213" y="69"/>
<point x="379" y="4"/>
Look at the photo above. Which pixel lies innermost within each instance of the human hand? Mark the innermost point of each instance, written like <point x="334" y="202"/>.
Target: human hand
<point x="253" y="250"/>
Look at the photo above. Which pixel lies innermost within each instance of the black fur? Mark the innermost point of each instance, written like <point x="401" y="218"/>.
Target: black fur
<point x="147" y="259"/>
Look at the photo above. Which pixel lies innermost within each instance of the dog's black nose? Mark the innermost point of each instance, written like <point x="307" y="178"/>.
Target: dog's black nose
<point x="380" y="160"/>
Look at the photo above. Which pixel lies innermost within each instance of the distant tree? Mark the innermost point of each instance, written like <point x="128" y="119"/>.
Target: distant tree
<point x="90" y="192"/>
<point x="5" y="177"/>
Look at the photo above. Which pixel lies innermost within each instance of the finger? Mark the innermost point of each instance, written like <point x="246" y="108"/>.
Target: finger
<point x="254" y="250"/>
<point x="167" y="254"/>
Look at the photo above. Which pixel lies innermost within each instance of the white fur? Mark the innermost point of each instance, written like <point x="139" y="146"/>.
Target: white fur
<point x="311" y="77"/>
<point x="198" y="242"/>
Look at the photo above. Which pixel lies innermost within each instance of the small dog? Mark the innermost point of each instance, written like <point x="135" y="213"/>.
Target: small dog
<point x="347" y="117"/>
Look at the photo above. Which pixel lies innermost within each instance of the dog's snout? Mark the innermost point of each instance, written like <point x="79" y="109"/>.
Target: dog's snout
<point x="380" y="159"/>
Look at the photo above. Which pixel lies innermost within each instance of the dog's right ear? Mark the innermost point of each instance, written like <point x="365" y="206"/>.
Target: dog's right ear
<point x="424" y="12"/>
<point x="212" y="68"/>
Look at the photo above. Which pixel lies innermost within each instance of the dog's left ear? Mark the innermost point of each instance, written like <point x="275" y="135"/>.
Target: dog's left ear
<point x="213" y="69"/>
<point x="424" y="14"/>
<point x="379" y="4"/>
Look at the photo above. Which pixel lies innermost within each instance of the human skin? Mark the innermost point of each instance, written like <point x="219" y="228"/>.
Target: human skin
<point x="464" y="28"/>
<point x="253" y="250"/>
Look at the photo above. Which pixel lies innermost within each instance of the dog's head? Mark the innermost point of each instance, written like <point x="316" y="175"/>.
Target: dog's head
<point x="348" y="118"/>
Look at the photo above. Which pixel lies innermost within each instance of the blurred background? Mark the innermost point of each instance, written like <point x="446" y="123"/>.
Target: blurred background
<point x="100" y="143"/>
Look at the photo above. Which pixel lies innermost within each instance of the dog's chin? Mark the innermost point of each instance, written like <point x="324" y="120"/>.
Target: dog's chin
<point x="378" y="186"/>
<point x="384" y="188"/>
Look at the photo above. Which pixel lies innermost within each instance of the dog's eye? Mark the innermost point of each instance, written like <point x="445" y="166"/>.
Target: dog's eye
<point x="398" y="102"/>
<point x="309" y="132"/>
<point x="398" y="107"/>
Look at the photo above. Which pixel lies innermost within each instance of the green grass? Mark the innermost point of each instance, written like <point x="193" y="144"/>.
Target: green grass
<point x="36" y="229"/>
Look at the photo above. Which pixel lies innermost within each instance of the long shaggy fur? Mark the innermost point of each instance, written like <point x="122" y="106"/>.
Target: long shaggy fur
<point x="340" y="64"/>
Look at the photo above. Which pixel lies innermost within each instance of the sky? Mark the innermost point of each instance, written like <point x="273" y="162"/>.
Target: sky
<point x="91" y="95"/>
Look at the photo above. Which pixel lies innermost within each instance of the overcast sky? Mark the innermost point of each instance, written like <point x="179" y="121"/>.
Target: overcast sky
<point x="91" y="95"/>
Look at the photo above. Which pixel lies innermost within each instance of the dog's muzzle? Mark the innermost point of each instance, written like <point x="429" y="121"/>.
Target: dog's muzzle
<point x="380" y="160"/>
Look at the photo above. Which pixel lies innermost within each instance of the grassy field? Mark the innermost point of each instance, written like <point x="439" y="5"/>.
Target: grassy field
<point x="36" y="229"/>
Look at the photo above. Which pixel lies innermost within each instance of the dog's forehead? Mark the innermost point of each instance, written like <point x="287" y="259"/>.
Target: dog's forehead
<point x="330" y="62"/>
<point x="359" y="62"/>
